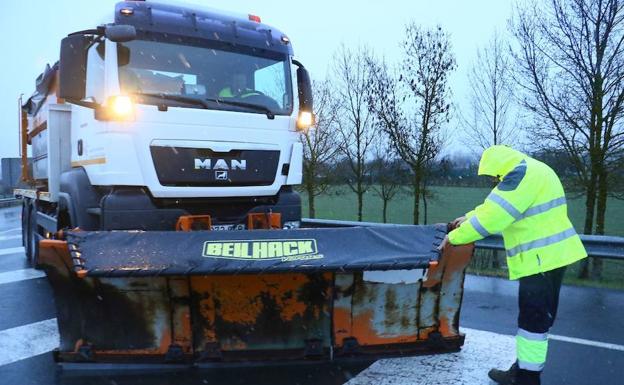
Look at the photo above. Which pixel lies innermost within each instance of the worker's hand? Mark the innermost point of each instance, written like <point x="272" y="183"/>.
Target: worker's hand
<point x="453" y="225"/>
<point x="457" y="221"/>
<point x="444" y="243"/>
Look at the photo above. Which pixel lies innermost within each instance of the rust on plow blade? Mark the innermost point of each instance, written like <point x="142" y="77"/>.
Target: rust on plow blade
<point x="244" y="296"/>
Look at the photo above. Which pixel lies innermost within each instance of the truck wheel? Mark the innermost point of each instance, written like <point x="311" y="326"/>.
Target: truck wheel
<point x="32" y="249"/>
<point x="25" y="219"/>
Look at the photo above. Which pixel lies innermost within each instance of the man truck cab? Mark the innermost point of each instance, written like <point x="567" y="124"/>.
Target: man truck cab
<point x="149" y="134"/>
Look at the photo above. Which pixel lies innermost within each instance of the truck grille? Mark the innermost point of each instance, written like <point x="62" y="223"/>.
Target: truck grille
<point x="177" y="166"/>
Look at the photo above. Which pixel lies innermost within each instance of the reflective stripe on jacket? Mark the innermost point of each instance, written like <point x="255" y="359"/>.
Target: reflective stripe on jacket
<point x="528" y="206"/>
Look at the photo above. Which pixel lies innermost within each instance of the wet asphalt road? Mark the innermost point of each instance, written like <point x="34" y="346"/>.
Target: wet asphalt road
<point x="489" y="305"/>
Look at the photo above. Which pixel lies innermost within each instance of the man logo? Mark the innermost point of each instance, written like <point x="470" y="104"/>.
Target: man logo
<point x="221" y="175"/>
<point x="220" y="164"/>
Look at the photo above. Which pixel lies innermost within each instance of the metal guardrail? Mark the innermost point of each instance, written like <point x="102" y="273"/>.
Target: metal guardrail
<point x="7" y="202"/>
<point x="600" y="246"/>
<point x="309" y="222"/>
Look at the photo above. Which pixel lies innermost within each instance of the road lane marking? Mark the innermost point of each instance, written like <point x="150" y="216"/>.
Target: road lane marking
<point x="10" y="237"/>
<point x="10" y="230"/>
<point x="556" y="337"/>
<point x="12" y="250"/>
<point x="27" y="341"/>
<point x="20" y="275"/>
<point x="482" y="351"/>
<point x="582" y="341"/>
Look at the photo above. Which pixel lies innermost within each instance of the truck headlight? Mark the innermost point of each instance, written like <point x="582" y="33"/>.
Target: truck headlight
<point x="121" y="106"/>
<point x="305" y="120"/>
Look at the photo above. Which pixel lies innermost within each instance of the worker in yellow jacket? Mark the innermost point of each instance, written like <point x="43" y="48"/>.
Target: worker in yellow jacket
<point x="528" y="207"/>
<point x="238" y="88"/>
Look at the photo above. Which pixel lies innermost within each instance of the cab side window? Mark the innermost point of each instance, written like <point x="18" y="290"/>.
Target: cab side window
<point x="271" y="81"/>
<point x="95" y="73"/>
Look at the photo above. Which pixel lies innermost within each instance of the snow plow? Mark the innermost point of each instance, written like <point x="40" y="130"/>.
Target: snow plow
<point x="210" y="297"/>
<point x="161" y="202"/>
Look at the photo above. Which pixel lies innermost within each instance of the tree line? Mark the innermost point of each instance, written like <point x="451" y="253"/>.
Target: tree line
<point x="551" y="85"/>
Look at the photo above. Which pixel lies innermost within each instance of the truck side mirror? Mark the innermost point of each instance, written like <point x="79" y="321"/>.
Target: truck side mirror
<point x="306" y="105"/>
<point x="304" y="86"/>
<point x="73" y="66"/>
<point x="120" y="33"/>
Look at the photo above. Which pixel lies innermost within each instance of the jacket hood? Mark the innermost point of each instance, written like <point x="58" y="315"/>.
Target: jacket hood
<point x="499" y="160"/>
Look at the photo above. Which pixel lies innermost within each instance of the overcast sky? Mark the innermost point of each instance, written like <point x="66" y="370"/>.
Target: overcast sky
<point x="31" y="32"/>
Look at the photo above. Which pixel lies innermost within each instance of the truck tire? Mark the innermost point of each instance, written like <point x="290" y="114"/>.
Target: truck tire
<point x="25" y="221"/>
<point x="32" y="248"/>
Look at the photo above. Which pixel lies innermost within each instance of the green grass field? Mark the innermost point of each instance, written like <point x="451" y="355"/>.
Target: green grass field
<point x="451" y="202"/>
<point x="447" y="204"/>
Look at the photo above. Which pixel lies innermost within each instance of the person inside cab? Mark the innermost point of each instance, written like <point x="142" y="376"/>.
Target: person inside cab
<point x="238" y="88"/>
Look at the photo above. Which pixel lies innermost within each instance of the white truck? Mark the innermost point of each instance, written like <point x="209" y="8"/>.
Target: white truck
<point x="162" y="113"/>
<point x="170" y="118"/>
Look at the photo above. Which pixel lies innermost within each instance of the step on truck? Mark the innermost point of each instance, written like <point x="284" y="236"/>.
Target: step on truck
<point x="165" y="151"/>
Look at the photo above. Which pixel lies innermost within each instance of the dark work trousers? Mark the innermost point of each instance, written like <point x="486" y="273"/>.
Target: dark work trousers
<point x="538" y="299"/>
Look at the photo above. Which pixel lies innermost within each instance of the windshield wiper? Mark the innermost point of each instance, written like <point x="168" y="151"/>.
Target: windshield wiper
<point x="203" y="102"/>
<point x="177" y="98"/>
<point x="252" y="106"/>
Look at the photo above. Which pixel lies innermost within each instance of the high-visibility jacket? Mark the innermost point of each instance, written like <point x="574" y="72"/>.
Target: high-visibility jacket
<point x="529" y="207"/>
<point x="227" y="93"/>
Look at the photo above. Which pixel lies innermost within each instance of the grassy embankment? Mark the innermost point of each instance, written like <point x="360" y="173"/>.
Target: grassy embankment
<point x="450" y="202"/>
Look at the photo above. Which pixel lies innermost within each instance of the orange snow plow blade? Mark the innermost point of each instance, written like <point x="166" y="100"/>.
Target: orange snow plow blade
<point x="210" y="297"/>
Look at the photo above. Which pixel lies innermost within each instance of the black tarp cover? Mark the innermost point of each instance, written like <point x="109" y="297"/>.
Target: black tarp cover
<point x="42" y="86"/>
<point x="149" y="253"/>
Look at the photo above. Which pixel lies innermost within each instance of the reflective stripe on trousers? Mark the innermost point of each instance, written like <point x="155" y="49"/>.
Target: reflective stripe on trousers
<point x="531" y="349"/>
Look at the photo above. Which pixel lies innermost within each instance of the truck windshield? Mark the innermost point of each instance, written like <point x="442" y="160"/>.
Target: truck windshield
<point x="248" y="82"/>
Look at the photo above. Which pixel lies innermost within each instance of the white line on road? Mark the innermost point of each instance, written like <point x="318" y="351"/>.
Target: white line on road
<point x="10" y="230"/>
<point x="20" y="275"/>
<point x="572" y="340"/>
<point x="10" y="237"/>
<point x="581" y="341"/>
<point x="482" y="351"/>
<point x="27" y="341"/>
<point x="12" y="250"/>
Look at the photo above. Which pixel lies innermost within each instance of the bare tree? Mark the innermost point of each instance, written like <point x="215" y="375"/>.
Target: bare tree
<point x="616" y="181"/>
<point x="413" y="106"/>
<point x="426" y="68"/>
<point x="385" y="169"/>
<point x="491" y="104"/>
<point x="427" y="193"/>
<point x="491" y="97"/>
<point x="354" y="125"/>
<point x="320" y="146"/>
<point x="571" y="68"/>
